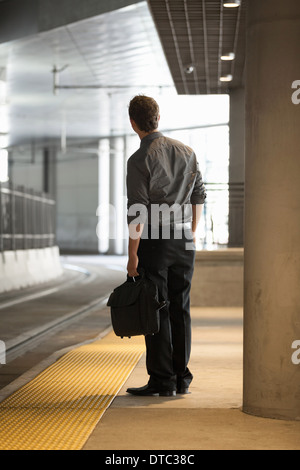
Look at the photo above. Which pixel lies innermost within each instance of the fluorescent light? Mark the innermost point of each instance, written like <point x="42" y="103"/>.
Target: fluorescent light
<point x="232" y="3"/>
<point x="229" y="56"/>
<point x="226" y="78"/>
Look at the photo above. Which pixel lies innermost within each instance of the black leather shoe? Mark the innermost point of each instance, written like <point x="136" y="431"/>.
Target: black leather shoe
<point x="148" y="391"/>
<point x="183" y="391"/>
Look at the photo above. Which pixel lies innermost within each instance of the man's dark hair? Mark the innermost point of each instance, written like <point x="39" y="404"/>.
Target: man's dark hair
<point x="144" y="111"/>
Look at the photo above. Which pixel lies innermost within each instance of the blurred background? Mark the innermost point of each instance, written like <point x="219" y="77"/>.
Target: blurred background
<point x="65" y="136"/>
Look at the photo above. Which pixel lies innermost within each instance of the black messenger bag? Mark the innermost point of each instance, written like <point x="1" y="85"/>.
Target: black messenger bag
<point x="135" y="307"/>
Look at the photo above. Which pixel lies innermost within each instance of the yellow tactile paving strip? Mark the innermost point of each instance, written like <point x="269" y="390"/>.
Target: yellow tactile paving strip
<point x="59" y="409"/>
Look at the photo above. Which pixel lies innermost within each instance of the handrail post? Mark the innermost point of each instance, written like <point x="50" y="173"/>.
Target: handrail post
<point x="12" y="216"/>
<point x="24" y="206"/>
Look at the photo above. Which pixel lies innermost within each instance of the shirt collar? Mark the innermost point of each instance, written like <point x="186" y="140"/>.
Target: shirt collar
<point x="148" y="138"/>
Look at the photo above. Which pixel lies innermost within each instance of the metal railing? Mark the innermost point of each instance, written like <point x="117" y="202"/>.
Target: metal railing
<point x="27" y="218"/>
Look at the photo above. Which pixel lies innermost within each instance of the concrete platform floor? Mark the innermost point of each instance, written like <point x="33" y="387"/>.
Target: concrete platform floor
<point x="210" y="418"/>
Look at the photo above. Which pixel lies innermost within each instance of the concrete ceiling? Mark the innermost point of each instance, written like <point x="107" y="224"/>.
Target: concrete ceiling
<point x="104" y="60"/>
<point x="196" y="33"/>
<point x="117" y="54"/>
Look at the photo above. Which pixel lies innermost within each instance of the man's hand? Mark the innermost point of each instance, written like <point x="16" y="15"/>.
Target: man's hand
<point x="135" y="232"/>
<point x="197" y="211"/>
<point x="132" y="265"/>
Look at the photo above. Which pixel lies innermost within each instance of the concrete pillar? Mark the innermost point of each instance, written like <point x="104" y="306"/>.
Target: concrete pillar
<point x="103" y="197"/>
<point x="127" y="154"/>
<point x="116" y="188"/>
<point x="237" y="167"/>
<point x="272" y="211"/>
<point x="49" y="170"/>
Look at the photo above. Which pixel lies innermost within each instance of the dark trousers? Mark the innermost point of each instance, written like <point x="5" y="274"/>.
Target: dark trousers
<point x="170" y="264"/>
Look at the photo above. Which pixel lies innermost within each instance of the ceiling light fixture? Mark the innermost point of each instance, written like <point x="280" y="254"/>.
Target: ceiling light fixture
<point x="226" y="78"/>
<point x="232" y="3"/>
<point x="189" y="69"/>
<point x="228" y="56"/>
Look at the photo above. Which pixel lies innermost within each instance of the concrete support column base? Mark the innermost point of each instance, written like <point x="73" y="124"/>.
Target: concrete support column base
<point x="272" y="211"/>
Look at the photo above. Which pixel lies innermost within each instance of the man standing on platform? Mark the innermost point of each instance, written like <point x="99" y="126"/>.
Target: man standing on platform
<point x="165" y="195"/>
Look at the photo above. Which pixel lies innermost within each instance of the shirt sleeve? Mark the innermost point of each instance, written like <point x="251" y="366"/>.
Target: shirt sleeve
<point x="199" y="192"/>
<point x="137" y="192"/>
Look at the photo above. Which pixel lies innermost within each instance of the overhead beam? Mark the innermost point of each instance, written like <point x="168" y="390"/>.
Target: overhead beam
<point x="19" y="18"/>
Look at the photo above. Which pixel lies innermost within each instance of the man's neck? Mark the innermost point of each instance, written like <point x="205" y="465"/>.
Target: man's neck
<point x="143" y="134"/>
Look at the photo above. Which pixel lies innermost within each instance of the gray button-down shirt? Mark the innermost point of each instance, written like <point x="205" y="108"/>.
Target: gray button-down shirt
<point x="163" y="182"/>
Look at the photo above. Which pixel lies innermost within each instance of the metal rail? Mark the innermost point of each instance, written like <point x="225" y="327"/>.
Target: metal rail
<point x="27" y="218"/>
